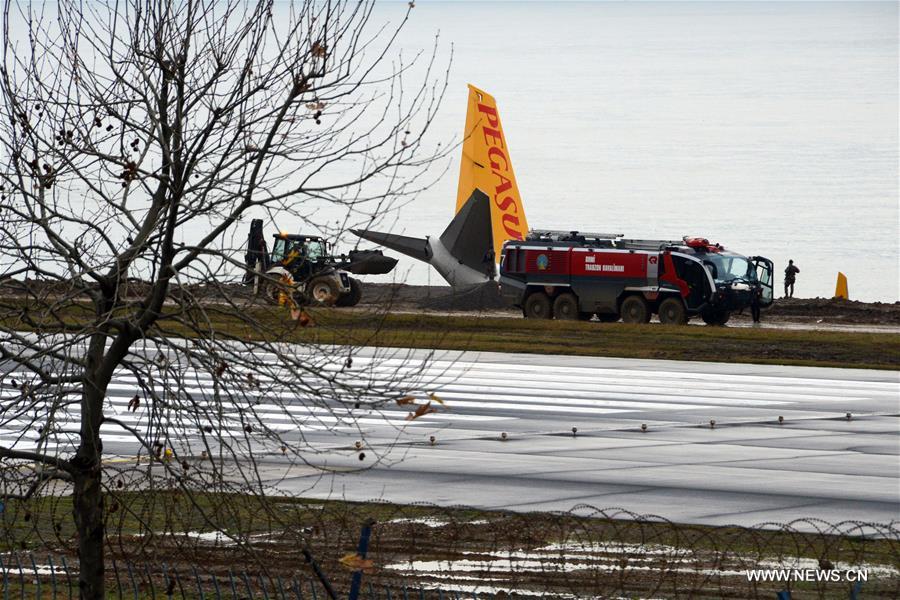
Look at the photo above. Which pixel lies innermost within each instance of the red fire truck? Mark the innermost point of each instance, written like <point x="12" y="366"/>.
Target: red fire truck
<point x="576" y="275"/>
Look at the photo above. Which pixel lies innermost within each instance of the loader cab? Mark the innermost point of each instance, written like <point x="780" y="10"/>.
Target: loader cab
<point x="290" y="247"/>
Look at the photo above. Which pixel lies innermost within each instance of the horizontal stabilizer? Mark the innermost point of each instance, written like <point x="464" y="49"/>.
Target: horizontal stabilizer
<point x="415" y="247"/>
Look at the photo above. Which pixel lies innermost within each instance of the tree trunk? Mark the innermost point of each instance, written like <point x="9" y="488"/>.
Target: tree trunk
<point x="87" y="499"/>
<point x="87" y="508"/>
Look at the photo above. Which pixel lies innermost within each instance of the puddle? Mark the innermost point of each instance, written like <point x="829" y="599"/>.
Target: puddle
<point x="571" y="558"/>
<point x="426" y="521"/>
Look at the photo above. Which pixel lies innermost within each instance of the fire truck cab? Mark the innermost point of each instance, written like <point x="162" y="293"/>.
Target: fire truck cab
<point x="576" y="275"/>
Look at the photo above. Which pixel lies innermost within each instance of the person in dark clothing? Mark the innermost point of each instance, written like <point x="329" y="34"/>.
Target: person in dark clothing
<point x="790" y="276"/>
<point x="755" y="304"/>
<point x="487" y="260"/>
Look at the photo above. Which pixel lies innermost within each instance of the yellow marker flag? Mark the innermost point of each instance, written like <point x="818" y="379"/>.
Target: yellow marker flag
<point x="840" y="290"/>
<point x="486" y="165"/>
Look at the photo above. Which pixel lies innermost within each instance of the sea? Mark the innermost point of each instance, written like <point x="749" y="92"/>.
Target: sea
<point x="768" y="127"/>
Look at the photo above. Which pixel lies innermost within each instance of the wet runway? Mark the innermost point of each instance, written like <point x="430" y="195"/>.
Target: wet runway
<point x="504" y="438"/>
<point x="747" y="469"/>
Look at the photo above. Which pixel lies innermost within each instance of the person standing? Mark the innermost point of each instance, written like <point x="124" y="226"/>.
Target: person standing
<point x="490" y="269"/>
<point x="790" y="276"/>
<point x="755" y="304"/>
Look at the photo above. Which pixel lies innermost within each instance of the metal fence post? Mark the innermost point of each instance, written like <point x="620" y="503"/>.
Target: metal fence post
<point x="247" y="584"/>
<point x="118" y="581"/>
<point x="361" y="550"/>
<point x="5" y="579"/>
<point x="170" y="588"/>
<point x="134" y="586"/>
<point x="178" y="582"/>
<point x="262" y="584"/>
<point x="150" y="580"/>
<point x="37" y="578"/>
<point x="21" y="575"/>
<point x="307" y="555"/>
<point x="52" y="575"/>
<point x="233" y="586"/>
<point x="215" y="582"/>
<point x="199" y="585"/>
<point x="65" y="566"/>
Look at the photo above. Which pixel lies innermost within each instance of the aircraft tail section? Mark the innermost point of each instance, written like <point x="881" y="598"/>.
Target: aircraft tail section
<point x="468" y="237"/>
<point x="486" y="166"/>
<point x="463" y="254"/>
<point x="489" y="207"/>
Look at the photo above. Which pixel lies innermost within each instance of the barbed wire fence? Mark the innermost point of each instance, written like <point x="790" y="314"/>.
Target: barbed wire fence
<point x="297" y="548"/>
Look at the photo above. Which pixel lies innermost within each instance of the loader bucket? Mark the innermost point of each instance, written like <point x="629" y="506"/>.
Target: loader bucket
<point x="369" y="262"/>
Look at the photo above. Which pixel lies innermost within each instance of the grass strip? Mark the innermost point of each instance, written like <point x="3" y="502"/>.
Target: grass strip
<point x="653" y="341"/>
<point x="497" y="334"/>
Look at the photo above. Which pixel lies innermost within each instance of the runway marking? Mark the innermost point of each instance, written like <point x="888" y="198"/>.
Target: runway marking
<point x="513" y="391"/>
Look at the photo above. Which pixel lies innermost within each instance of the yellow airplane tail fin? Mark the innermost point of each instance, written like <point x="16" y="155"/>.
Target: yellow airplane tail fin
<point x="486" y="166"/>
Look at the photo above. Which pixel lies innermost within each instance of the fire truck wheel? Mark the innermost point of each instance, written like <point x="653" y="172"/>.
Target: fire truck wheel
<point x="719" y="317"/>
<point x="672" y="312"/>
<point x="635" y="310"/>
<point x="323" y="291"/>
<point x="537" y="306"/>
<point x="565" y="307"/>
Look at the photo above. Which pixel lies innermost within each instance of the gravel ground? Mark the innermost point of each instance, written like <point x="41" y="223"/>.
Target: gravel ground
<point x="808" y="311"/>
<point x="790" y="312"/>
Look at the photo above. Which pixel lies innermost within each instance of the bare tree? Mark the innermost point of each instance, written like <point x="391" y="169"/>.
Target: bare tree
<point x="135" y="136"/>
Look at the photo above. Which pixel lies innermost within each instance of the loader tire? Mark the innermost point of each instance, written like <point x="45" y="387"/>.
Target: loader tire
<point x="635" y="310"/>
<point x="323" y="291"/>
<point x="352" y="297"/>
<point x="268" y="291"/>
<point x="672" y="312"/>
<point x="272" y="292"/>
<point x="537" y="306"/>
<point x="565" y="307"/>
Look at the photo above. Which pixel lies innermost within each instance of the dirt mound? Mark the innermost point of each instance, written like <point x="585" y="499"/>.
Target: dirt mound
<point x="487" y="297"/>
<point x="479" y="298"/>
<point x="832" y="309"/>
<point x="476" y="298"/>
<point x="442" y="298"/>
<point x="396" y="295"/>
